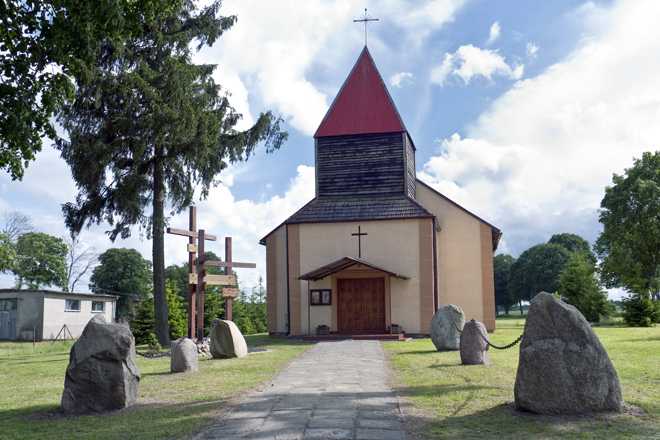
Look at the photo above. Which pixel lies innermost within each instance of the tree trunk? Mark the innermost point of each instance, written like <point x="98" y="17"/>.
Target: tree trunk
<point x="158" y="252"/>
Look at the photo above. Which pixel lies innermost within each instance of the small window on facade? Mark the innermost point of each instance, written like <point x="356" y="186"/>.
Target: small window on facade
<point x="320" y="297"/>
<point x="98" y="306"/>
<point x="71" y="305"/>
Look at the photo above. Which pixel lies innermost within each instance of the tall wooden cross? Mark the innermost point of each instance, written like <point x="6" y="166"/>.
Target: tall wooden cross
<point x="359" y="234"/>
<point x="365" y="20"/>
<point x="198" y="279"/>
<point x="192" y="234"/>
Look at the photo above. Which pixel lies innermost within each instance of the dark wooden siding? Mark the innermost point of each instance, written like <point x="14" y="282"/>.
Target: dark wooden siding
<point x="361" y="165"/>
<point x="410" y="167"/>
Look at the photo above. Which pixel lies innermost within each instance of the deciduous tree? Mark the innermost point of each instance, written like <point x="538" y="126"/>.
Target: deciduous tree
<point x="80" y="259"/>
<point x="123" y="272"/>
<point x="148" y="127"/>
<point x="502" y="271"/>
<point x="40" y="260"/>
<point x="629" y="246"/>
<point x="7" y="253"/>
<point x="574" y="243"/>
<point x="537" y="269"/>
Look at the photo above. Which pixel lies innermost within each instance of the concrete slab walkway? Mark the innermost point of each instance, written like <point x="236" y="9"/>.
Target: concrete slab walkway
<point x="335" y="390"/>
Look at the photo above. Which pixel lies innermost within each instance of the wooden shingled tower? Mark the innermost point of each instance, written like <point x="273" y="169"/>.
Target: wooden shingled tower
<point x="365" y="159"/>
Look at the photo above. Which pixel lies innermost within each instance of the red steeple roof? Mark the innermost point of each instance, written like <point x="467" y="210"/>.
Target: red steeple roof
<point x="363" y="104"/>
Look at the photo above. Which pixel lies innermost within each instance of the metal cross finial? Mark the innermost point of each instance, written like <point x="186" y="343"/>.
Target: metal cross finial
<point x="365" y="20"/>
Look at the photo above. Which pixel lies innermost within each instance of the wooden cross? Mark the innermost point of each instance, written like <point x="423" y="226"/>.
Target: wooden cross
<point x="359" y="234"/>
<point x="192" y="234"/>
<point x="198" y="279"/>
<point x="365" y="20"/>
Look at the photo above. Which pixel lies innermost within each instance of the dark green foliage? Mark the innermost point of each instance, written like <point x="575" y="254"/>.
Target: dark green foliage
<point x="579" y="287"/>
<point x="574" y="243"/>
<point x="177" y="318"/>
<point x="629" y="246"/>
<point x="148" y="126"/>
<point x="44" y="45"/>
<point x="250" y="311"/>
<point x="639" y="310"/>
<point x="213" y="308"/>
<point x="537" y="269"/>
<point x="40" y="260"/>
<point x="502" y="271"/>
<point x="178" y="277"/>
<point x="123" y="272"/>
<point x="142" y="324"/>
<point x="30" y="92"/>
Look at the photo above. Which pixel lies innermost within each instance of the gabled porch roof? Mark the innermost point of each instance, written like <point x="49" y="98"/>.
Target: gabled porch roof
<point x="341" y="264"/>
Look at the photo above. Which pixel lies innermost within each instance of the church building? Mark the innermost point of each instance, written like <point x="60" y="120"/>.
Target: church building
<point x="376" y="249"/>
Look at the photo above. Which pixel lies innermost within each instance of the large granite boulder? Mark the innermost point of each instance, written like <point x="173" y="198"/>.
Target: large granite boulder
<point x="445" y="326"/>
<point x="102" y="374"/>
<point x="563" y="368"/>
<point x="227" y="341"/>
<point x="473" y="343"/>
<point x="184" y="356"/>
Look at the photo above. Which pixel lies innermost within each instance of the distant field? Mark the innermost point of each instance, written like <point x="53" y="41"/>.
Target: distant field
<point x="455" y="401"/>
<point x="169" y="406"/>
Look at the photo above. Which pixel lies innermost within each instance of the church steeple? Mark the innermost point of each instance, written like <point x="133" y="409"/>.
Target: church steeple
<point x="363" y="104"/>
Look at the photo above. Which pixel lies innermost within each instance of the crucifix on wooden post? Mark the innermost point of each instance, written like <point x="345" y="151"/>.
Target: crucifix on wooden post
<point x="359" y="234"/>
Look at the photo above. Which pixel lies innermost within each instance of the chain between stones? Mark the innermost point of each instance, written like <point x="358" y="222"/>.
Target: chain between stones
<point x="498" y="347"/>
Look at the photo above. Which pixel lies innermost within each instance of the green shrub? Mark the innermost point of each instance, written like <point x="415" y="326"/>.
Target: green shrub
<point x="640" y="311"/>
<point x="152" y="342"/>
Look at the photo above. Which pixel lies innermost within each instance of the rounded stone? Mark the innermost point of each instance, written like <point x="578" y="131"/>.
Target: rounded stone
<point x="227" y="341"/>
<point x="473" y="343"/>
<point x="563" y="368"/>
<point x="445" y="327"/>
<point x="102" y="374"/>
<point x="184" y="356"/>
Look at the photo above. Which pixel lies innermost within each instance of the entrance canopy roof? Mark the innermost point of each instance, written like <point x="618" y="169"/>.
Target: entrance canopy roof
<point x="341" y="264"/>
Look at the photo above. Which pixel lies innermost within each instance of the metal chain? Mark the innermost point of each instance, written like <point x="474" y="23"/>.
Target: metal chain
<point x="498" y="347"/>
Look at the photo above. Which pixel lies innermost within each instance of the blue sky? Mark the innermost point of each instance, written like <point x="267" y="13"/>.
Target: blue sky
<point x="521" y="111"/>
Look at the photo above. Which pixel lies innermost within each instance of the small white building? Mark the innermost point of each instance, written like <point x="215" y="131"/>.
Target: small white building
<point x="42" y="314"/>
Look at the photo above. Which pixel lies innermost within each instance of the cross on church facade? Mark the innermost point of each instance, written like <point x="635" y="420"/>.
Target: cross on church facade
<point x="365" y="20"/>
<point x="359" y="234"/>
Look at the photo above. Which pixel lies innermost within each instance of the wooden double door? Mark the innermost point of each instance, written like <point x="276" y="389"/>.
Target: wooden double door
<point x="361" y="305"/>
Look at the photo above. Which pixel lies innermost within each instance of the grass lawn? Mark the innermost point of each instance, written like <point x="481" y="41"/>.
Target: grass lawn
<point x="455" y="401"/>
<point x="169" y="405"/>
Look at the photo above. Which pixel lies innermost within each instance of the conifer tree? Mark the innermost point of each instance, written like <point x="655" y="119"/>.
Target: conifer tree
<point x="579" y="287"/>
<point x="177" y="319"/>
<point x="148" y="127"/>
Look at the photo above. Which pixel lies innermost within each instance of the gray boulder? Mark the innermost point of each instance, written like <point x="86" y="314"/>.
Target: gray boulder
<point x="563" y="368"/>
<point x="445" y="327"/>
<point x="227" y="341"/>
<point x="473" y="343"/>
<point x="184" y="356"/>
<point x="102" y="374"/>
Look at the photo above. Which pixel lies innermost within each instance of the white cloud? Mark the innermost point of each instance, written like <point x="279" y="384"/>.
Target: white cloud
<point x="470" y="61"/>
<point x="532" y="50"/>
<point x="537" y="161"/>
<point x="274" y="45"/>
<point x="494" y="33"/>
<point x="400" y="79"/>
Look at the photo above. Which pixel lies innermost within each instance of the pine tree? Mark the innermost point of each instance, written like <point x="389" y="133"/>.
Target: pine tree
<point x="143" y="323"/>
<point x="579" y="287"/>
<point x="149" y="127"/>
<point x="177" y="318"/>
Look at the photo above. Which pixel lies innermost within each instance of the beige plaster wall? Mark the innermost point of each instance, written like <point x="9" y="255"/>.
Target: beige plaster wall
<point x="55" y="316"/>
<point x="276" y="281"/>
<point x="318" y="315"/>
<point x="459" y="254"/>
<point x="391" y="244"/>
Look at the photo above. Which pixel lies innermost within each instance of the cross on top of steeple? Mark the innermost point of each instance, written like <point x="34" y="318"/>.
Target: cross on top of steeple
<point x="365" y="20"/>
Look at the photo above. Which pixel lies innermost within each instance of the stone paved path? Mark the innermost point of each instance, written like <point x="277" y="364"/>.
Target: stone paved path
<point x="335" y="390"/>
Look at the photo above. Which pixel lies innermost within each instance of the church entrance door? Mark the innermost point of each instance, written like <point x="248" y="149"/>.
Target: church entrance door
<point x="361" y="305"/>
